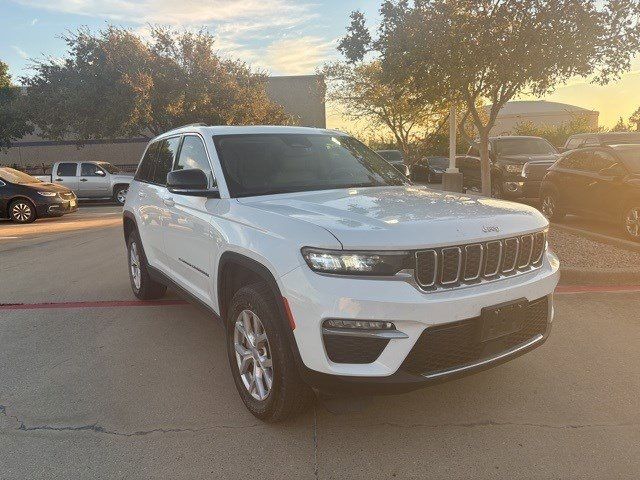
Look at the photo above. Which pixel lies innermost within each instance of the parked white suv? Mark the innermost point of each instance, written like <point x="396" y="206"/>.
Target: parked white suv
<point x="329" y="270"/>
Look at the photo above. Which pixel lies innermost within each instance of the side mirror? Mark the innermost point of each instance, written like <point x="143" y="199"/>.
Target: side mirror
<point x="100" y="173"/>
<point x="191" y="182"/>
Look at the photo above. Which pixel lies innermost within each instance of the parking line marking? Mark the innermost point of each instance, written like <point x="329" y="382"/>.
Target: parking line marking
<point x="97" y="304"/>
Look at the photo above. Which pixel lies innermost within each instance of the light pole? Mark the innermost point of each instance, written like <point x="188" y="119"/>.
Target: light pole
<point x="452" y="178"/>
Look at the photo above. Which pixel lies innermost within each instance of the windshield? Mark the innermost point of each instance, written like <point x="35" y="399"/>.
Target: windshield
<point x="392" y="156"/>
<point x="265" y="164"/>
<point x="524" y="146"/>
<point x="110" y="168"/>
<point x="12" y="175"/>
<point x="630" y="155"/>
<point x="438" y="162"/>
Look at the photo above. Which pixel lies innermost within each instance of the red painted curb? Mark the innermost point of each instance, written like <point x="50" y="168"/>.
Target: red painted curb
<point x="103" y="304"/>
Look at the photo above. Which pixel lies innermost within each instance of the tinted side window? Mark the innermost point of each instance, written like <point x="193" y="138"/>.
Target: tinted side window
<point x="194" y="155"/>
<point x="90" y="170"/>
<point x="167" y="151"/>
<point x="67" y="170"/>
<point x="573" y="143"/>
<point x="145" y="169"/>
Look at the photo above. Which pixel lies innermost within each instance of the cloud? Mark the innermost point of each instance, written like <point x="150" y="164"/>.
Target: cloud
<point x="169" y="12"/>
<point x="21" y="53"/>
<point x="296" y="56"/>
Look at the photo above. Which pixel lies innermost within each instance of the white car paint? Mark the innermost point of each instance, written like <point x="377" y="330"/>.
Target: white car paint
<point x="272" y="229"/>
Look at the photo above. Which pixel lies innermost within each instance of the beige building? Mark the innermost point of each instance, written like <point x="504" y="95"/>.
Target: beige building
<point x="301" y="96"/>
<point x="540" y="113"/>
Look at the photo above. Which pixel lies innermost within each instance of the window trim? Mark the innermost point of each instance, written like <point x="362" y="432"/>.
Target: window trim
<point x="206" y="151"/>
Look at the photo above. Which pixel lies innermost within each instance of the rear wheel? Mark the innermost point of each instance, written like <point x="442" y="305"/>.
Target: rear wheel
<point x="549" y="206"/>
<point x="143" y="286"/>
<point x="631" y="221"/>
<point x="262" y="363"/>
<point x="120" y="195"/>
<point x="22" y="211"/>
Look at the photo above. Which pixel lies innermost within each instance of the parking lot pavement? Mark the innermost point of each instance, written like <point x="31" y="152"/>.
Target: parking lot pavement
<point x="122" y="391"/>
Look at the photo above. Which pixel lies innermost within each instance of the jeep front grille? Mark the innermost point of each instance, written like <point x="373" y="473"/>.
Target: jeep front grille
<point x="468" y="264"/>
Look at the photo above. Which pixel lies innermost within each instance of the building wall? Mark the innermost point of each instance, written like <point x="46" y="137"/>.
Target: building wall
<point x="301" y="96"/>
<point x="506" y="124"/>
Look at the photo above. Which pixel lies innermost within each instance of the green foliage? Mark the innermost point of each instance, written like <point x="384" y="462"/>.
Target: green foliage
<point x="621" y="126"/>
<point x="13" y="120"/>
<point x="634" y="119"/>
<point x="114" y="84"/>
<point x="555" y="134"/>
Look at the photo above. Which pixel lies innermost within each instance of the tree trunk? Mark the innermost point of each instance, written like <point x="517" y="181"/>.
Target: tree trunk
<point x="485" y="164"/>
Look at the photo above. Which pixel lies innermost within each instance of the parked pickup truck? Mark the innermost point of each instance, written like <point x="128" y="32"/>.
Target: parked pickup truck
<point x="91" y="179"/>
<point x="508" y="156"/>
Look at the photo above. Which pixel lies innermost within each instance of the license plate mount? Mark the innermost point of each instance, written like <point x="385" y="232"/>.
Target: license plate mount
<point x="502" y="320"/>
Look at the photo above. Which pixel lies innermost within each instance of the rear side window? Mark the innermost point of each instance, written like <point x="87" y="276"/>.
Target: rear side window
<point x="573" y="143"/>
<point x="146" y="167"/>
<point x="67" y="170"/>
<point x="167" y="151"/>
<point x="194" y="155"/>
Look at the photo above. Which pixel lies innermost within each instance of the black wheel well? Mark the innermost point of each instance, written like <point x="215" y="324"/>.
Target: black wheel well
<point x="129" y="226"/>
<point x="20" y="197"/>
<point x="117" y="186"/>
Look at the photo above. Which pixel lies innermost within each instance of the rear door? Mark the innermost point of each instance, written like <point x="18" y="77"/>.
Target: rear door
<point x="569" y="180"/>
<point x="66" y="174"/>
<point x="604" y="190"/>
<point x="188" y="240"/>
<point x="94" y="181"/>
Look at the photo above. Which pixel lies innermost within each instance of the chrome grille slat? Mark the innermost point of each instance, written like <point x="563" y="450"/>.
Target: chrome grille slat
<point x="456" y="265"/>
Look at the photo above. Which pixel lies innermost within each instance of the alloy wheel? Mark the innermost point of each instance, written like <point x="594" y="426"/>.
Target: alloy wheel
<point x="632" y="222"/>
<point x="21" y="212"/>
<point x="253" y="354"/>
<point x="548" y="206"/>
<point x="134" y="265"/>
<point x="121" y="196"/>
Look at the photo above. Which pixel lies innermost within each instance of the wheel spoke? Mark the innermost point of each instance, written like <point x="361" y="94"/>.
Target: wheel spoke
<point x="262" y="392"/>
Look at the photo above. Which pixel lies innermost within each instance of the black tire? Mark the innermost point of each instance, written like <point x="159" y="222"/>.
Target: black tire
<point x="118" y="195"/>
<point x="146" y="288"/>
<point x="288" y="394"/>
<point x="631" y="221"/>
<point x="549" y="206"/>
<point x="22" y="210"/>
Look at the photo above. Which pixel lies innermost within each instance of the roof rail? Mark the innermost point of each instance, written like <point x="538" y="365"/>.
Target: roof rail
<point x="197" y="124"/>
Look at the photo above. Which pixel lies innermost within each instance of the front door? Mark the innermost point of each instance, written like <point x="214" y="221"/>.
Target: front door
<point x="66" y="174"/>
<point x="189" y="239"/>
<point x="94" y="181"/>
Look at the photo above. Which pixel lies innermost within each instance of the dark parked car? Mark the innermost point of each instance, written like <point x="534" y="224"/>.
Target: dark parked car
<point x="508" y="156"/>
<point x="429" y="169"/>
<point x="395" y="158"/>
<point x="24" y="198"/>
<point x="599" y="182"/>
<point x="580" y="140"/>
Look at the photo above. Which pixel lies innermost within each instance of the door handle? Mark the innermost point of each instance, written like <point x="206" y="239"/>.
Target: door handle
<point x="168" y="202"/>
<point x="58" y="180"/>
<point x="83" y="179"/>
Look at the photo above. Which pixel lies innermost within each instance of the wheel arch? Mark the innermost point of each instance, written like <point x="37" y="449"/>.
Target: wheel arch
<point x="20" y="197"/>
<point x="129" y="224"/>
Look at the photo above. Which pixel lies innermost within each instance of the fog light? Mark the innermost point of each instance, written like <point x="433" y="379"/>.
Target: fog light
<point x="359" y="324"/>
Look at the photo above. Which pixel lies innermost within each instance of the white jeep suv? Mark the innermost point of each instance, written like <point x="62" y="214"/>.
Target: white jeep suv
<point x="328" y="269"/>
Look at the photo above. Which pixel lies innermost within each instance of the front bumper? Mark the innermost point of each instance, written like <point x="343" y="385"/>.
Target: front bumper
<point x="56" y="207"/>
<point x="314" y="298"/>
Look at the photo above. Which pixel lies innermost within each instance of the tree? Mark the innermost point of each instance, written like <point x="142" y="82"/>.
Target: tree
<point x="362" y="91"/>
<point x="489" y="51"/>
<point x="13" y="121"/>
<point x="620" y="126"/>
<point x="635" y="119"/>
<point x="114" y="84"/>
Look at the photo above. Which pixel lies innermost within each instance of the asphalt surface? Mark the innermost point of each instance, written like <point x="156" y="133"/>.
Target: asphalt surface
<point x="114" y="390"/>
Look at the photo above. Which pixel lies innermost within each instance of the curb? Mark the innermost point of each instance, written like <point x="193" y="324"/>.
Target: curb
<point x="575" y="276"/>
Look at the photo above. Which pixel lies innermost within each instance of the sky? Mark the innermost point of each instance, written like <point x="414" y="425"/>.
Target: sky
<point x="283" y="37"/>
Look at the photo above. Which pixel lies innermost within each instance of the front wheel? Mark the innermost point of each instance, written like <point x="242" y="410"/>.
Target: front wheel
<point x="631" y="222"/>
<point x="549" y="206"/>
<point x="22" y="211"/>
<point x="262" y="363"/>
<point x="120" y="195"/>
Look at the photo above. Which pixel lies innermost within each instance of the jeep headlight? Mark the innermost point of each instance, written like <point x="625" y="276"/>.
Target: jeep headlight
<point x="343" y="262"/>
<point x="512" y="168"/>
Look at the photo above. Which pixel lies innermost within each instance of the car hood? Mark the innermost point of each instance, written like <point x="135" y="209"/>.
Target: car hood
<point x="47" y="187"/>
<point x="403" y="217"/>
<point x="522" y="159"/>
